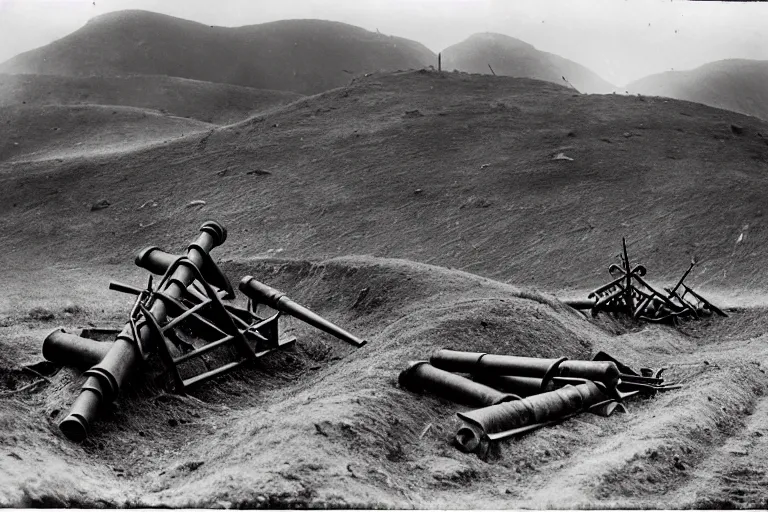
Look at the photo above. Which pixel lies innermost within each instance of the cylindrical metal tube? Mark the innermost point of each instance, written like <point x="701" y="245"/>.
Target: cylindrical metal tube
<point x="478" y="363"/>
<point x="68" y="349"/>
<point x="264" y="294"/>
<point x="422" y="376"/>
<point x="535" y="409"/>
<point x="600" y="371"/>
<point x="520" y="386"/>
<point x="104" y="379"/>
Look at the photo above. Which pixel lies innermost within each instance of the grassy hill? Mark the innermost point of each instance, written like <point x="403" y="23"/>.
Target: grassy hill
<point x="205" y="101"/>
<point x="303" y="56"/>
<point x="29" y="132"/>
<point x="733" y="84"/>
<point x="450" y="169"/>
<point x="511" y="57"/>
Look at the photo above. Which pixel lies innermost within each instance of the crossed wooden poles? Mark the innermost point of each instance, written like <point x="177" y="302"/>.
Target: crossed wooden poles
<point x="629" y="293"/>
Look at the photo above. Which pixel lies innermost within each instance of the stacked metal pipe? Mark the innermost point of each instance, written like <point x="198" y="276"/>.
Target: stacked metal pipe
<point x="519" y="394"/>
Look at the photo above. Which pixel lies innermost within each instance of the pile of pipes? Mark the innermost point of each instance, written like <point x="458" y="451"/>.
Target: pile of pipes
<point x="520" y="394"/>
<point x="630" y="294"/>
<point x="181" y="320"/>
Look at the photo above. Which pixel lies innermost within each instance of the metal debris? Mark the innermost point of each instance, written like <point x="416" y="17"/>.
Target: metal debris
<point x="522" y="394"/>
<point x="631" y="294"/>
<point x="182" y="318"/>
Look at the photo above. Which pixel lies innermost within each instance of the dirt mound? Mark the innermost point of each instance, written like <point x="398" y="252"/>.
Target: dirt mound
<point x="732" y="84"/>
<point x="326" y="424"/>
<point x="303" y="56"/>
<point x="205" y="101"/>
<point x="53" y="132"/>
<point x="470" y="183"/>
<point x="511" y="57"/>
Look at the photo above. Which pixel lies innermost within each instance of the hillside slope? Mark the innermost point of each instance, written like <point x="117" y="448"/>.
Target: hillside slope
<point x="511" y="57"/>
<point x="449" y="169"/>
<point x="303" y="56"/>
<point x="205" y="101"/>
<point x="29" y="132"/>
<point x="733" y="84"/>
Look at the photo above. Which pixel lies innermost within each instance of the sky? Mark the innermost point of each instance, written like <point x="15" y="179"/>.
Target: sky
<point x="621" y="40"/>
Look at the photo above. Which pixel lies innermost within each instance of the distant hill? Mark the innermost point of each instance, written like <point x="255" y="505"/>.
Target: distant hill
<point x="204" y="101"/>
<point x="740" y="85"/>
<point x="304" y="56"/>
<point x="511" y="57"/>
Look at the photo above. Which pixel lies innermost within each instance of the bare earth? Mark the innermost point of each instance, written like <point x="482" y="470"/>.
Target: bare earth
<point x="337" y="222"/>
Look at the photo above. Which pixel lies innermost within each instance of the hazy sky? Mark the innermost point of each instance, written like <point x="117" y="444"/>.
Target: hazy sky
<point x="621" y="40"/>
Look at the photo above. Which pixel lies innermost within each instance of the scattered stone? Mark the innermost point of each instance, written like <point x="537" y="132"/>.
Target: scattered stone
<point x="196" y="202"/>
<point x="571" y="133"/>
<point x="173" y="422"/>
<point x="757" y="433"/>
<point x="627" y="134"/>
<point x="561" y="156"/>
<point x="679" y="465"/>
<point x="258" y="172"/>
<point x="653" y="455"/>
<point x="737" y="129"/>
<point x="606" y="139"/>
<point x="100" y="205"/>
<point x="484" y="166"/>
<point x="413" y="113"/>
<point x="418" y="191"/>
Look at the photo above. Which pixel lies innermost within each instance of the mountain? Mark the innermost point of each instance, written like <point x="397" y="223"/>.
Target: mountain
<point x="732" y="84"/>
<point x="303" y="56"/>
<point x="511" y="57"/>
<point x="204" y="101"/>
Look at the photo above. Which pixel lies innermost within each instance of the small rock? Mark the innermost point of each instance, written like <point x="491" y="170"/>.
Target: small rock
<point x="627" y="134"/>
<point x="413" y="113"/>
<point x="196" y="202"/>
<point x="259" y="172"/>
<point x="654" y="454"/>
<point x="100" y="205"/>
<point x="679" y="465"/>
<point x="709" y="398"/>
<point x="737" y="129"/>
<point x="561" y="156"/>
<point x="418" y="191"/>
<point x="757" y="433"/>
<point x="173" y="422"/>
<point x="484" y="166"/>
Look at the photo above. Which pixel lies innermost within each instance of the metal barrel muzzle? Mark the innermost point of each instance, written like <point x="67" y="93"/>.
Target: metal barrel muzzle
<point x="105" y="378"/>
<point x="504" y="419"/>
<point x="422" y="376"/>
<point x="601" y="371"/>
<point x="263" y="294"/>
<point x="478" y="363"/>
<point x="69" y="349"/>
<point x="157" y="261"/>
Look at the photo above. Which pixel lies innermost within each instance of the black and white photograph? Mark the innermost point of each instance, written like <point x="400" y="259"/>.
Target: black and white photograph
<point x="384" y="254"/>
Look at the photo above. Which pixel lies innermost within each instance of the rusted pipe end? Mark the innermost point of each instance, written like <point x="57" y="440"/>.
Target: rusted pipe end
<point x="142" y="258"/>
<point x="216" y="230"/>
<point x="406" y="376"/>
<point x="49" y="339"/>
<point x="467" y="439"/>
<point x="74" y="427"/>
<point x="551" y="372"/>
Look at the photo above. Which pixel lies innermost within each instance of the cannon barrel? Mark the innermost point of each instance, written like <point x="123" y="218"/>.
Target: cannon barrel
<point x="478" y="363"/>
<point x="67" y="349"/>
<point x="601" y="371"/>
<point x="422" y="376"/>
<point x="105" y="378"/>
<point x="157" y="261"/>
<point x="521" y="386"/>
<point x="260" y="293"/>
<point x="500" y="420"/>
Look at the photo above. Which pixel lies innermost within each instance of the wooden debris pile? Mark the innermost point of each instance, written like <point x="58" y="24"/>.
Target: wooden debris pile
<point x="632" y="295"/>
